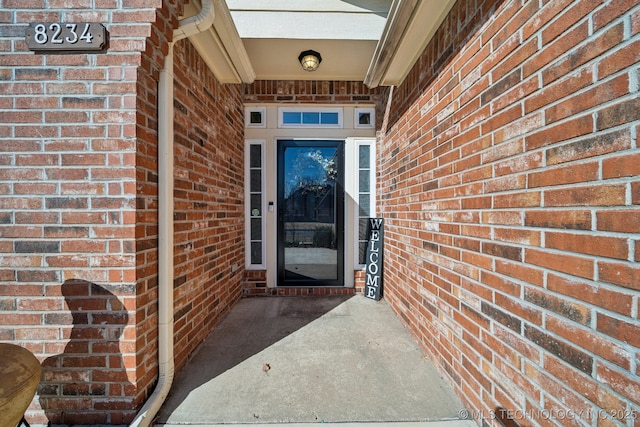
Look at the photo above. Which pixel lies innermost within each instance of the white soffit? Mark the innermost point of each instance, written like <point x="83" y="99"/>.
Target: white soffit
<point x="375" y="41"/>
<point x="348" y="62"/>
<point x="309" y="19"/>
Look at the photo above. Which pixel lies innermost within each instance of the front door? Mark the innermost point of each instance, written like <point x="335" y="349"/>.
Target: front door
<point x="310" y="213"/>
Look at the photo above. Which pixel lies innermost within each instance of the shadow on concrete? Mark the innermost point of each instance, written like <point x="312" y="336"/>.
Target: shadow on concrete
<point x="309" y="360"/>
<point x="253" y="325"/>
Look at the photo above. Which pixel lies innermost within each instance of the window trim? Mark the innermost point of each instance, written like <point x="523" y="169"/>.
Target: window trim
<point x="247" y="117"/>
<point x="301" y="110"/>
<point x="247" y="199"/>
<point x="356" y="118"/>
<point x="372" y="199"/>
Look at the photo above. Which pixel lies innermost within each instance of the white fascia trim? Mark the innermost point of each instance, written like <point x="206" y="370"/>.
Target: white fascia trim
<point x="232" y="43"/>
<point x="410" y="27"/>
<point x="222" y="49"/>
<point x="399" y="15"/>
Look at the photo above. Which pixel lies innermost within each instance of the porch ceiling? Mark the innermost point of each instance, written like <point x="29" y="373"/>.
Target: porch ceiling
<point x="375" y="41"/>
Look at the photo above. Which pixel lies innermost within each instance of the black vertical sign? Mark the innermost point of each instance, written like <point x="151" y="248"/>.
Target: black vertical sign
<point x="373" y="284"/>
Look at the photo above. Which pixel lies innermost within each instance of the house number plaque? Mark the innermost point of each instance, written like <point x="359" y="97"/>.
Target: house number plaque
<point x="65" y="37"/>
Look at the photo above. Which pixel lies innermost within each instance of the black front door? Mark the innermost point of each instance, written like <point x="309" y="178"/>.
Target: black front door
<point x="310" y="213"/>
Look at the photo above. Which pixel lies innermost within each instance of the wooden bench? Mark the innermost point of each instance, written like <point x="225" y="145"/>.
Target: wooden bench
<point x="20" y="373"/>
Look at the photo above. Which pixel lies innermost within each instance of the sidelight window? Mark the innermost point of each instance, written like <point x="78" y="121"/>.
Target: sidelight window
<point x="365" y="190"/>
<point x="255" y="204"/>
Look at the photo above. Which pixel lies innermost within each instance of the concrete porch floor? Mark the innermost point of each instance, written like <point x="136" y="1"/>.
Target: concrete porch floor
<point x="297" y="360"/>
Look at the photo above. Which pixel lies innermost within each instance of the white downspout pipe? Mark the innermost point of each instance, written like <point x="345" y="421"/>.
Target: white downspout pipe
<point x="187" y="27"/>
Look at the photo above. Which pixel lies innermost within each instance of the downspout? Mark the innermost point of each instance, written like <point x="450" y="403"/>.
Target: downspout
<point x="188" y="27"/>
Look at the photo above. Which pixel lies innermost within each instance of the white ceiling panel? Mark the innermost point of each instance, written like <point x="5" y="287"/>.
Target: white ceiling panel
<point x="278" y="59"/>
<point x="308" y="25"/>
<point x="374" y="41"/>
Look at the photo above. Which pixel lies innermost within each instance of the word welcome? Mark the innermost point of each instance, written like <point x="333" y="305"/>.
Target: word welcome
<point x="373" y="284"/>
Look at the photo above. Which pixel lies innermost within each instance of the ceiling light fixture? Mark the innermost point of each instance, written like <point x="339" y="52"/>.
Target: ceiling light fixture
<point x="310" y="60"/>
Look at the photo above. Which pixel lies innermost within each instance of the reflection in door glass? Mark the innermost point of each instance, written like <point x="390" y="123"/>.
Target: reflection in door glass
<point x="309" y="214"/>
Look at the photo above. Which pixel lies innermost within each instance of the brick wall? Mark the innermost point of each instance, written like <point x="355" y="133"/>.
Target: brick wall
<point x="309" y="91"/>
<point x="509" y="183"/>
<point x="209" y="200"/>
<point x="78" y="203"/>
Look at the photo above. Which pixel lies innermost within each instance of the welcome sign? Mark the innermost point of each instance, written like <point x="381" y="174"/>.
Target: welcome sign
<point x="373" y="284"/>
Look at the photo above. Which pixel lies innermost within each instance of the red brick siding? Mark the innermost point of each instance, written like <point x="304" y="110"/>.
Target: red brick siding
<point x="255" y="283"/>
<point x="309" y="91"/>
<point x="509" y="183"/>
<point x="209" y="200"/>
<point x="78" y="195"/>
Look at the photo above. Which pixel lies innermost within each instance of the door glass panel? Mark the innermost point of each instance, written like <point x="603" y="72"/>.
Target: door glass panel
<point x="364" y="152"/>
<point x="364" y="205"/>
<point x="256" y="181"/>
<point x="255" y="156"/>
<point x="256" y="204"/>
<point x="256" y="252"/>
<point x="310" y="213"/>
<point x="256" y="228"/>
<point x="364" y="181"/>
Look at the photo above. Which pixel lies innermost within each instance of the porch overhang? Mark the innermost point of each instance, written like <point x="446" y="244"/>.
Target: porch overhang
<point x="221" y="47"/>
<point x="410" y="26"/>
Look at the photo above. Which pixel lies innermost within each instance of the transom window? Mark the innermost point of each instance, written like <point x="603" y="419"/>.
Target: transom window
<point x="292" y="117"/>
